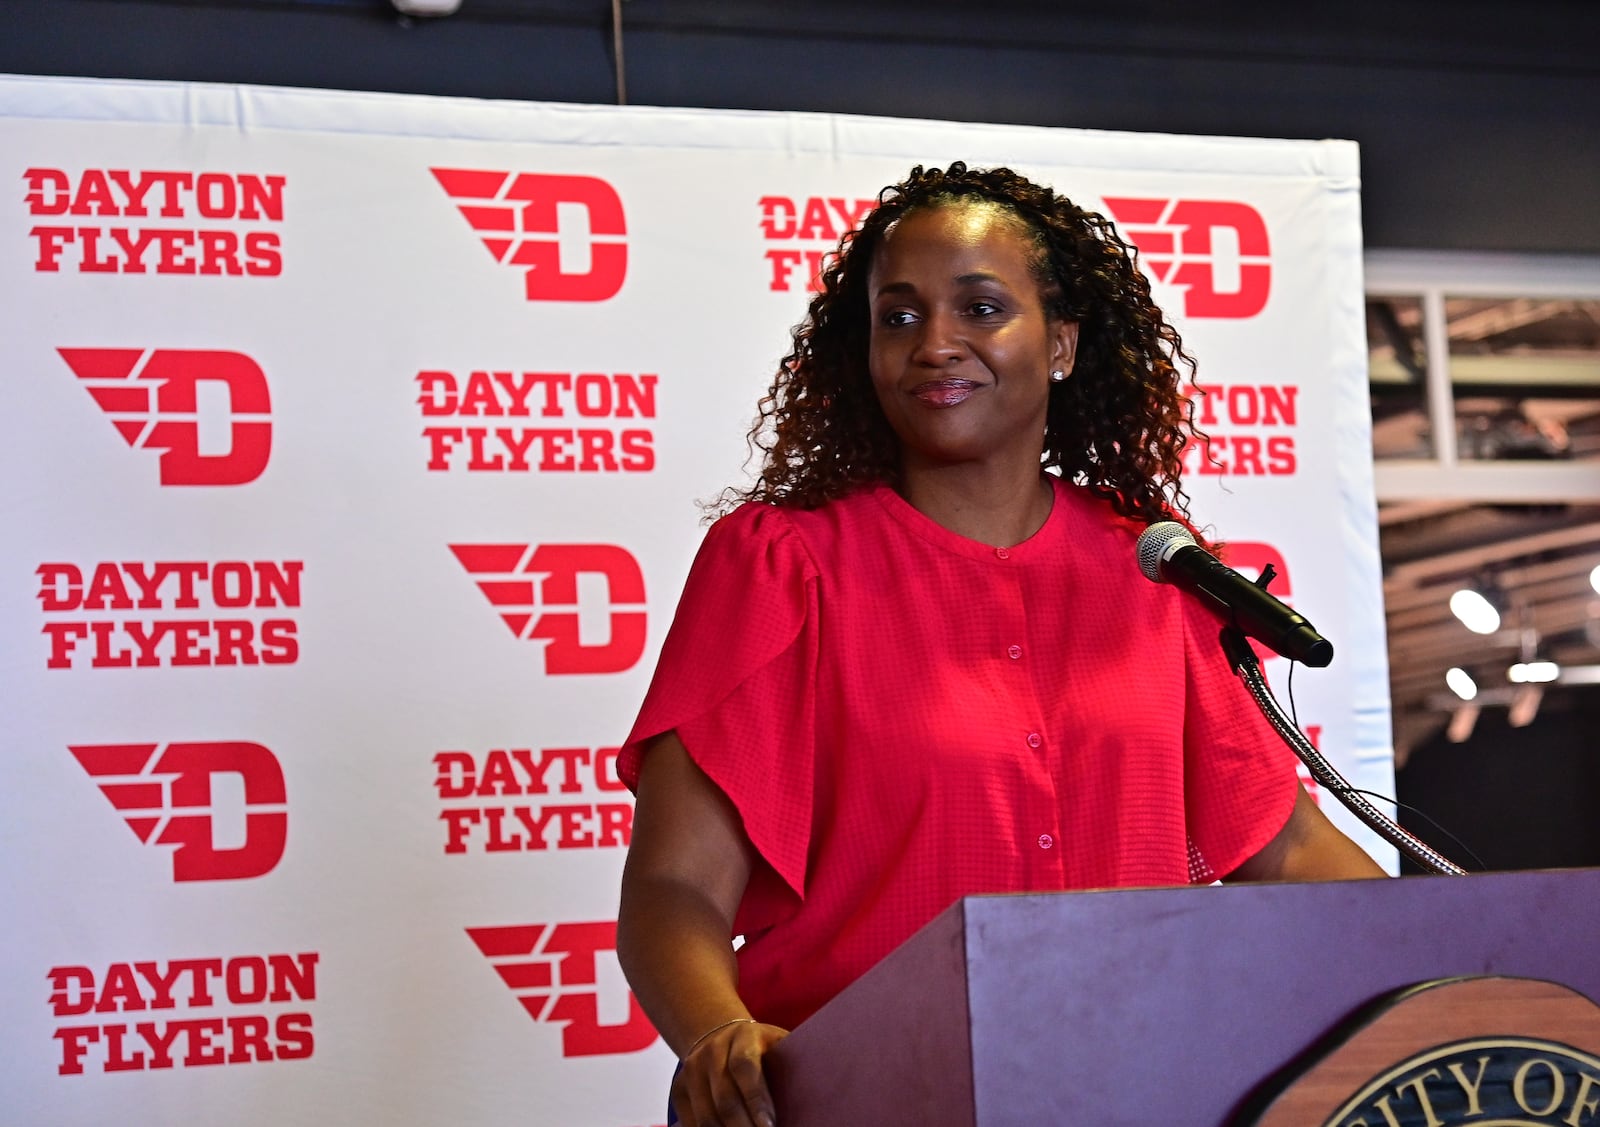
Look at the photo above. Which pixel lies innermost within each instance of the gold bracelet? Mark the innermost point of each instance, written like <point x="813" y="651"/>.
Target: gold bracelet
<point x="695" y="1044"/>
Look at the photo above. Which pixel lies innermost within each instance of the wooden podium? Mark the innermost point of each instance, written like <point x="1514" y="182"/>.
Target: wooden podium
<point x="1156" y="1006"/>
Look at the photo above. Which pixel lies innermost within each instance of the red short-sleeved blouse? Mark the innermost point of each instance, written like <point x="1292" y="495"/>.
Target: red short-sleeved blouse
<point x="903" y="716"/>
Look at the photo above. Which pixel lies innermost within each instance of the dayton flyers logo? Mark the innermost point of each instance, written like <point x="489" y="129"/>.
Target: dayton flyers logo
<point x="568" y="231"/>
<point x="166" y="797"/>
<point x="524" y="583"/>
<point x="551" y="970"/>
<point x="153" y="398"/>
<point x="1215" y="251"/>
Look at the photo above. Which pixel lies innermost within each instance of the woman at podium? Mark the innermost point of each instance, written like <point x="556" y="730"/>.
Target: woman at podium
<point x="916" y="659"/>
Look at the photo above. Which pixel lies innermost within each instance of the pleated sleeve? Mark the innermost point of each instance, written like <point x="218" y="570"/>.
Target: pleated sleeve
<point x="737" y="680"/>
<point x="1240" y="777"/>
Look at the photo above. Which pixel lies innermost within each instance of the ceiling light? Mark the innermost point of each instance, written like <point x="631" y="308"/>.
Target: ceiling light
<point x="1524" y="706"/>
<point x="1462" y="721"/>
<point x="1475" y="611"/>
<point x="1461" y="683"/>
<point x="428" y="9"/>
<point x="1594" y="579"/>
<point x="1533" y="672"/>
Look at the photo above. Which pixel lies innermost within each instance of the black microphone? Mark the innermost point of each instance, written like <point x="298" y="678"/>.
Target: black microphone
<point x="1168" y="554"/>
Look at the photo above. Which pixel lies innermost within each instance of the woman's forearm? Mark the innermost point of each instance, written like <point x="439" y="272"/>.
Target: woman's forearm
<point x="674" y="947"/>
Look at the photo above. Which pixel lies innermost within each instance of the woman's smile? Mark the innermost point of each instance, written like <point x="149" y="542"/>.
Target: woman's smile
<point x="945" y="392"/>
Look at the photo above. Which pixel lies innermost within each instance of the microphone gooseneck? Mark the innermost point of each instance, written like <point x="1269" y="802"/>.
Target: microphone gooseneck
<point x="1168" y="554"/>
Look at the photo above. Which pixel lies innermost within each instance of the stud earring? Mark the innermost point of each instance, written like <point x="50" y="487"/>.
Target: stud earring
<point x="1057" y="376"/>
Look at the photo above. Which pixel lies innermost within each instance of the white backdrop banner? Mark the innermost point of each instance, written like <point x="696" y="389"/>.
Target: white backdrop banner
<point x="349" y="483"/>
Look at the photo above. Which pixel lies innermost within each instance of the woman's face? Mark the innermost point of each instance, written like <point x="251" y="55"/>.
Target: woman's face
<point x="961" y="347"/>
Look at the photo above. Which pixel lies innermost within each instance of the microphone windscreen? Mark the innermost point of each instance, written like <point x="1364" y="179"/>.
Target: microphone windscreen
<point x="1154" y="542"/>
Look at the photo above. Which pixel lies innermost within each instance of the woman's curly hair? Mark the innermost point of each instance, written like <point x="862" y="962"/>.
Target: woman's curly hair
<point x="1119" y="425"/>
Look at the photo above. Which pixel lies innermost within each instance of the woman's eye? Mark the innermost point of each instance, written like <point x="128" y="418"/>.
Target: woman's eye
<point x="898" y="317"/>
<point x="984" y="308"/>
